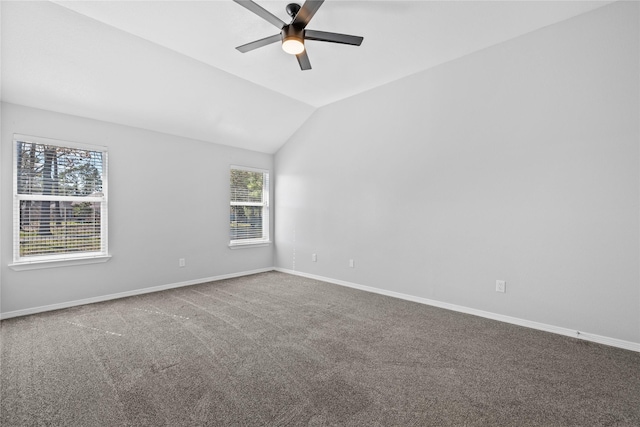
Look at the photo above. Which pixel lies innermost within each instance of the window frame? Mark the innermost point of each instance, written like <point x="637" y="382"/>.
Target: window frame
<point x="265" y="240"/>
<point x="68" y="258"/>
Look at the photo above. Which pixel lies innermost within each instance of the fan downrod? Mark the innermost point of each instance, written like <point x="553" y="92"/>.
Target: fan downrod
<point x="292" y="9"/>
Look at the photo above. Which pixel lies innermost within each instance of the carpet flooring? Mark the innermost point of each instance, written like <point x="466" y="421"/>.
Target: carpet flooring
<point x="274" y="349"/>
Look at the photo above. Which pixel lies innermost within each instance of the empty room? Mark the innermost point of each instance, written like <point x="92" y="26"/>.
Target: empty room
<point x="331" y="213"/>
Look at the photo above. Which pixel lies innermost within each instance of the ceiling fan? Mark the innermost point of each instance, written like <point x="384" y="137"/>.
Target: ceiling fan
<point x="294" y="34"/>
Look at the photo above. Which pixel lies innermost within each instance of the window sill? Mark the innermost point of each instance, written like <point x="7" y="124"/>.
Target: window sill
<point x="253" y="244"/>
<point x="36" y="265"/>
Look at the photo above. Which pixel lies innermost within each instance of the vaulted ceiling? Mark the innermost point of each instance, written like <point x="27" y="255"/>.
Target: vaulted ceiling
<point x="172" y="66"/>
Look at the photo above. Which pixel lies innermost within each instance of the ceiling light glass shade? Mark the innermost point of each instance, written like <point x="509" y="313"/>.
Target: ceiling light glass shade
<point x="293" y="45"/>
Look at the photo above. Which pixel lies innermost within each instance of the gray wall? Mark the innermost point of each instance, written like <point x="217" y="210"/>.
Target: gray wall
<point x="168" y="199"/>
<point x="518" y="162"/>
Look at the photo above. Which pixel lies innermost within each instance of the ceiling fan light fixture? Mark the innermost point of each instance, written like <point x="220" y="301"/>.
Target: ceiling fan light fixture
<point x="292" y="40"/>
<point x="293" y="45"/>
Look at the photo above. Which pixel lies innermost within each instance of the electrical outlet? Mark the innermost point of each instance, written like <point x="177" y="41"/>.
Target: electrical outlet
<point x="351" y="263"/>
<point x="314" y="257"/>
<point x="501" y="286"/>
<point x="181" y="262"/>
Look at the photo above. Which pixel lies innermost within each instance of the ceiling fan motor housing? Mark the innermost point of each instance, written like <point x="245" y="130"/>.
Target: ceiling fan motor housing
<point x="292" y="32"/>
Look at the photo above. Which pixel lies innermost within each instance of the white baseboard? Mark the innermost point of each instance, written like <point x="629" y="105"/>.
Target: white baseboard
<point x="34" y="310"/>
<point x="613" y="342"/>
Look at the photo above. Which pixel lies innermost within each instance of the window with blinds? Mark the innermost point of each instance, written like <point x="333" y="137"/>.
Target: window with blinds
<point x="60" y="200"/>
<point x="249" y="210"/>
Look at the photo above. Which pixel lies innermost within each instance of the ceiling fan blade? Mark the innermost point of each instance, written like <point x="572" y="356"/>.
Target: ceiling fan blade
<point x="261" y="12"/>
<point x="309" y="8"/>
<point x="259" y="43"/>
<point x="324" y="36"/>
<point x="303" y="60"/>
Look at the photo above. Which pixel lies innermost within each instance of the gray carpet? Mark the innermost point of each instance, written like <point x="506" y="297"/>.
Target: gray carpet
<point x="276" y="349"/>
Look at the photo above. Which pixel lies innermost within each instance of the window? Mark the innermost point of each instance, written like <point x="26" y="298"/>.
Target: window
<point x="249" y="211"/>
<point x="60" y="201"/>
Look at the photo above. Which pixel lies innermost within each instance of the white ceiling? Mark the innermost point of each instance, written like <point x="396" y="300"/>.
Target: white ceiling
<point x="171" y="66"/>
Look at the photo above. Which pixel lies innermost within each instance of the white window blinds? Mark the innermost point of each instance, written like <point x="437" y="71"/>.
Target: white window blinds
<point x="60" y="200"/>
<point x="249" y="209"/>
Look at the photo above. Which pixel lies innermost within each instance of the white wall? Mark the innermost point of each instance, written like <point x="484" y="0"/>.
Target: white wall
<point x="168" y="199"/>
<point x="519" y="162"/>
